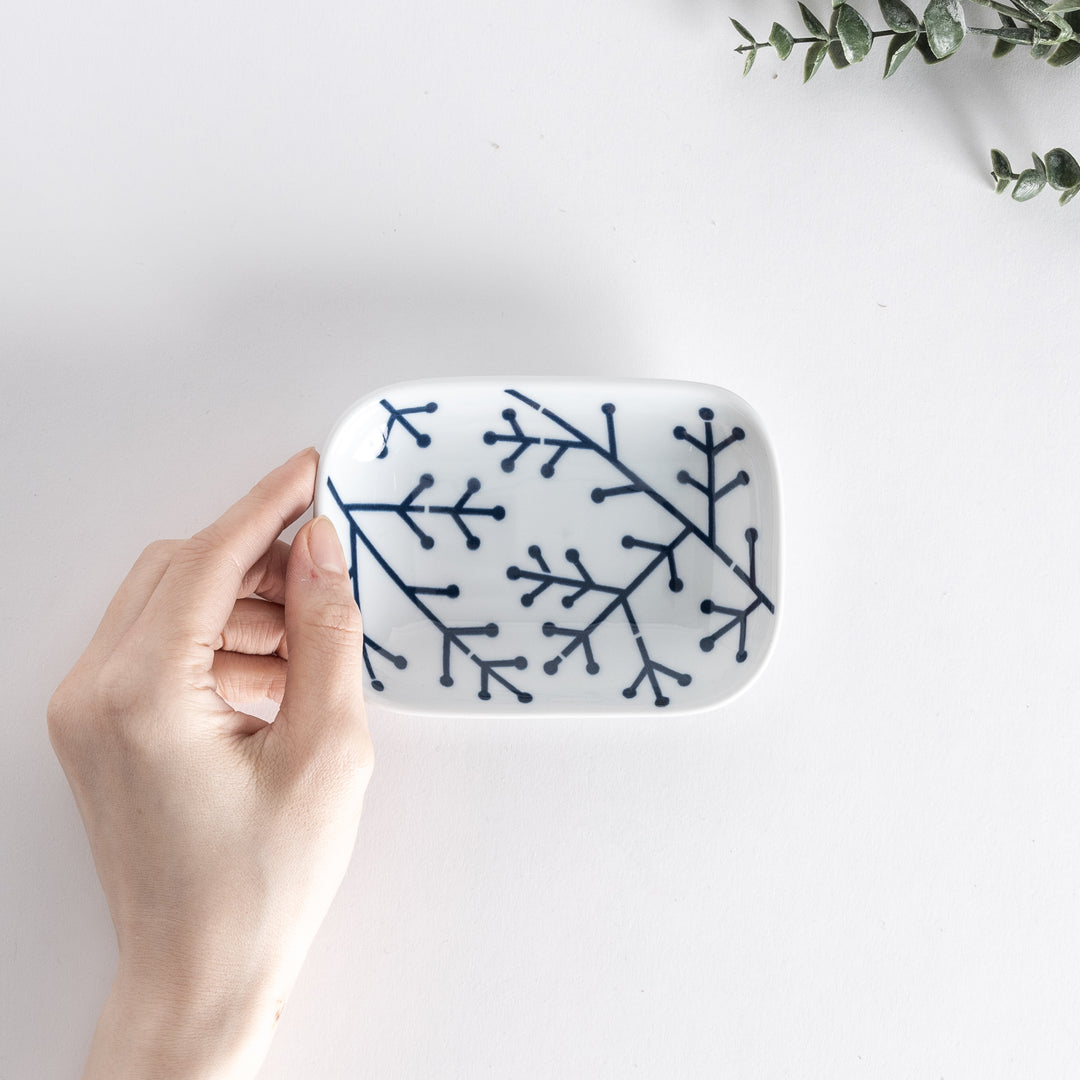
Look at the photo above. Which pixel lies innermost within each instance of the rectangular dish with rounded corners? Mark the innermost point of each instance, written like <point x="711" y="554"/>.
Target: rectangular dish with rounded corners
<point x="557" y="546"/>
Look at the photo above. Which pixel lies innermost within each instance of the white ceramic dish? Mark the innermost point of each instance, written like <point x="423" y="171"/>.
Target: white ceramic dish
<point x="557" y="546"/>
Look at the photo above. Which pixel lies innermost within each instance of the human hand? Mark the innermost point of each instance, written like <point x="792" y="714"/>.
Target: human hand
<point x="220" y="840"/>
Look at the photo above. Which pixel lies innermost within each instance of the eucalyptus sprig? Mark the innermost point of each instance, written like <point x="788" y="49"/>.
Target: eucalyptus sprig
<point x="1050" y="31"/>
<point x="1058" y="168"/>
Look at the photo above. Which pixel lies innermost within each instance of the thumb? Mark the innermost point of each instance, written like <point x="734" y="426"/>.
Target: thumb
<point x="323" y="699"/>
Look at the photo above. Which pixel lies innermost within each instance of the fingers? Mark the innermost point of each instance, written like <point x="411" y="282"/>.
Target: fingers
<point x="266" y="578"/>
<point x="250" y="662"/>
<point x="323" y="704"/>
<point x="195" y="596"/>
<point x="255" y="627"/>
<point x="243" y="679"/>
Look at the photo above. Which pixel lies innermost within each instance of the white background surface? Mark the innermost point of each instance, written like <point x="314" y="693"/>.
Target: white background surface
<point x="221" y="223"/>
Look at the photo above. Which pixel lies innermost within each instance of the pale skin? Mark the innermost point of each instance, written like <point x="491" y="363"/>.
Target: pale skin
<point x="220" y="840"/>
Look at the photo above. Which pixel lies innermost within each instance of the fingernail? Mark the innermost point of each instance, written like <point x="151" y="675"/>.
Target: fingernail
<point x="325" y="547"/>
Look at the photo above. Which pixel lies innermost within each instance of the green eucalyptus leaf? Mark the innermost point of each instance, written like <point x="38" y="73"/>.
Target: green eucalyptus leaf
<point x="751" y="56"/>
<point x="1065" y="53"/>
<point x="781" y="39"/>
<point x="1042" y="50"/>
<point x="814" y="56"/>
<point x="1063" y="6"/>
<point x="1002" y="184"/>
<point x="836" y="50"/>
<point x="1070" y="194"/>
<point x="1073" y="19"/>
<point x="1028" y="185"/>
<point x="742" y="30"/>
<point x="899" y="17"/>
<point x="854" y="33"/>
<point x="923" y="47"/>
<point x="836" y="55"/>
<point x="813" y="23"/>
<point x="1062" y="169"/>
<point x="899" y="48"/>
<point x="999" y="163"/>
<point x="1040" y="166"/>
<point x="945" y="26"/>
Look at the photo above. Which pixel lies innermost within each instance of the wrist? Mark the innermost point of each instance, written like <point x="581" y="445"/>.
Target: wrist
<point x="206" y="1028"/>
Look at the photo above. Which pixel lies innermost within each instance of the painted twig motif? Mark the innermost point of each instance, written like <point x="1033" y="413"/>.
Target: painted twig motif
<point x="581" y="637"/>
<point x="710" y="449"/>
<point x="397" y="416"/>
<point x="664" y="553"/>
<point x="650" y="667"/>
<point x="518" y="438"/>
<point x="408" y="508"/>
<point x="738" y="616"/>
<point x="582" y="584"/>
<point x="453" y="637"/>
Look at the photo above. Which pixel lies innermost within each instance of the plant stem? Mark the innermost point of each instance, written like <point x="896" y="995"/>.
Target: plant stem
<point x="987" y="31"/>
<point x="769" y="44"/>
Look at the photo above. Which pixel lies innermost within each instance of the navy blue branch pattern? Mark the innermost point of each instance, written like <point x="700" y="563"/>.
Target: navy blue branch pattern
<point x="581" y="583"/>
<point x="736" y="616"/>
<point x="710" y="449"/>
<point x="408" y="508"/>
<point x="397" y="416"/>
<point x="649" y="667"/>
<point x="636" y="483"/>
<point x="398" y="661"/>
<point x="581" y="637"/>
<point x="453" y="637"/>
<point x="522" y="442"/>
<point x="370" y="644"/>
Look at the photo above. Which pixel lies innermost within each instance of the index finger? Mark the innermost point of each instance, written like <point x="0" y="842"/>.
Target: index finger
<point x="195" y="596"/>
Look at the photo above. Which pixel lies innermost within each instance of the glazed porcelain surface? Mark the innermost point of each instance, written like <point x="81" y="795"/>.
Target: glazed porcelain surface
<point x="557" y="546"/>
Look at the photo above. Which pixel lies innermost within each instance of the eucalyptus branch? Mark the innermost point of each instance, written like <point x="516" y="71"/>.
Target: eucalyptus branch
<point x="1050" y="31"/>
<point x="1058" y="168"/>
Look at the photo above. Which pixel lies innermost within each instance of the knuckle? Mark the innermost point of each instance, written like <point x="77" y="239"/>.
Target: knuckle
<point x="206" y="543"/>
<point x="114" y="705"/>
<point x="59" y="714"/>
<point x="208" y="551"/>
<point x="87" y="705"/>
<point x="265" y="496"/>
<point x="340" y="621"/>
<point x="159" y="552"/>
